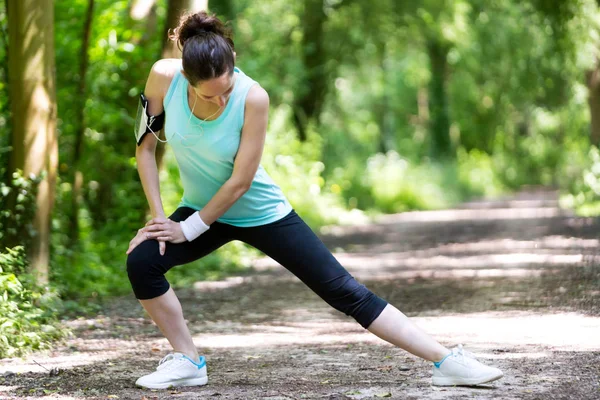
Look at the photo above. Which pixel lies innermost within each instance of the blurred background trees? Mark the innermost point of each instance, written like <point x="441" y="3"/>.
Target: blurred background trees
<point x="377" y="106"/>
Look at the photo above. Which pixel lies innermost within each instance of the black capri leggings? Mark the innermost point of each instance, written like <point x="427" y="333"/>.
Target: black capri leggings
<point x="288" y="241"/>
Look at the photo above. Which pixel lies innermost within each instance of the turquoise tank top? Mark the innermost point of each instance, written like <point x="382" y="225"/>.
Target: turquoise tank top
<point x="205" y="165"/>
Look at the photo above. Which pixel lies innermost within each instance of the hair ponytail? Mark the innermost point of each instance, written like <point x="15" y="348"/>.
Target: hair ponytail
<point x="206" y="44"/>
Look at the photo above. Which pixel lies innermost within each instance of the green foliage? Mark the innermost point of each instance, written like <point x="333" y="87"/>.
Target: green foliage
<point x="28" y="316"/>
<point x="396" y="185"/>
<point x="17" y="208"/>
<point x="297" y="168"/>
<point x="477" y="173"/>
<point x="584" y="191"/>
<point x="112" y="206"/>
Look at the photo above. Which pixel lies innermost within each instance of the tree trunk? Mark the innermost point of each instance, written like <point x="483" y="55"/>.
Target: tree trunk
<point x="175" y="9"/>
<point x="309" y="100"/>
<point x="439" y="122"/>
<point x="593" y="84"/>
<point x="141" y="9"/>
<point x="6" y="106"/>
<point x="145" y="11"/>
<point x="33" y="104"/>
<point x="80" y="132"/>
<point x="170" y="50"/>
<point x="385" y="115"/>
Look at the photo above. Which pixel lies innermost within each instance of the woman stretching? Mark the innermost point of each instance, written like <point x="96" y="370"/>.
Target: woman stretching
<point x="215" y="118"/>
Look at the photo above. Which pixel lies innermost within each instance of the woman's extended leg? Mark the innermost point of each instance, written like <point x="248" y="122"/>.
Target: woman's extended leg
<point x="292" y="243"/>
<point x="395" y="327"/>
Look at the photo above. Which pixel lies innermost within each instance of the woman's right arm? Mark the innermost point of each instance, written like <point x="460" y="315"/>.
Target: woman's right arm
<point x="156" y="87"/>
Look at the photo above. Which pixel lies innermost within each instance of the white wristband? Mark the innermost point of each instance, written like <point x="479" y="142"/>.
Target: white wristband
<point x="193" y="226"/>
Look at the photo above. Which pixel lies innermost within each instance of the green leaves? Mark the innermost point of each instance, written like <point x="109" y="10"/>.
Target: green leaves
<point x="28" y="314"/>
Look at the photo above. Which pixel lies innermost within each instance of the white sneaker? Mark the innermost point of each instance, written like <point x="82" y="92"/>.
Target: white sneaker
<point x="461" y="368"/>
<point x="174" y="370"/>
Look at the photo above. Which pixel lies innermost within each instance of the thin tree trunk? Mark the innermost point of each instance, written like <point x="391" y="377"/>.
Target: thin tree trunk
<point x="6" y="108"/>
<point x="310" y="98"/>
<point x="384" y="114"/>
<point x="142" y="10"/>
<point x="80" y="133"/>
<point x="593" y="84"/>
<point x="175" y="9"/>
<point x="32" y="91"/>
<point x="439" y="126"/>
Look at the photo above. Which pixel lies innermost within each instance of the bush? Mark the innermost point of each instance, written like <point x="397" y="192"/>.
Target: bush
<point x="584" y="191"/>
<point x="17" y="208"/>
<point x="296" y="167"/>
<point x="397" y="185"/>
<point x="28" y="314"/>
<point x="477" y="173"/>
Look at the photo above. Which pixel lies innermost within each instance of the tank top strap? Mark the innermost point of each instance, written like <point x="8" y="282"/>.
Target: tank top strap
<point x="242" y="87"/>
<point x="175" y="84"/>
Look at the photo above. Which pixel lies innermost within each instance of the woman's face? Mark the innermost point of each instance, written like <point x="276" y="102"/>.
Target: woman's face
<point x="216" y="90"/>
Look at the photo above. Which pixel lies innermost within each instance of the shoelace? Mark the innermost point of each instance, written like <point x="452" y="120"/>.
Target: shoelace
<point x="459" y="351"/>
<point x="165" y="361"/>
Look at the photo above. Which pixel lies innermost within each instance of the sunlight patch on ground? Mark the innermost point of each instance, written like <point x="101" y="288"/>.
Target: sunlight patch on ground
<point x="490" y="246"/>
<point x="452" y="274"/>
<point x="393" y="265"/>
<point x="505" y="330"/>
<point x="470" y="215"/>
<point x="7" y="389"/>
<point x="564" y="331"/>
<point x="479" y="261"/>
<point x="227" y="283"/>
<point x="90" y="351"/>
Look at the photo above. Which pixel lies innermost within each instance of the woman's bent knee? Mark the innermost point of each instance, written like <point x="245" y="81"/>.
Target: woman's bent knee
<point x="145" y="274"/>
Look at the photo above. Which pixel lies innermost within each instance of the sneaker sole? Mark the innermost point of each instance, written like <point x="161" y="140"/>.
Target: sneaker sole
<point x="449" y="381"/>
<point x="181" y="382"/>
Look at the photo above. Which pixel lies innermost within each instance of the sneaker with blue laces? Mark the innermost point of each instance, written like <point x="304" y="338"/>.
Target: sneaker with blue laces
<point x="175" y="370"/>
<point x="461" y="368"/>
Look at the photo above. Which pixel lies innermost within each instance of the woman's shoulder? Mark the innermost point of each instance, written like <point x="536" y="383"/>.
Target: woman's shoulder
<point x="162" y="73"/>
<point x="167" y="66"/>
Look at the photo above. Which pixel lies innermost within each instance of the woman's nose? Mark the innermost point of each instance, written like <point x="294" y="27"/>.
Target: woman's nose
<point x="221" y="100"/>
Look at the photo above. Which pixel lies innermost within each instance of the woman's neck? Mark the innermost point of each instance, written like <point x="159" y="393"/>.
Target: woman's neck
<point x="202" y="109"/>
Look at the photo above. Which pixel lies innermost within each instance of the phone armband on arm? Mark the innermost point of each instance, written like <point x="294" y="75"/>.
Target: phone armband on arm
<point x="145" y="123"/>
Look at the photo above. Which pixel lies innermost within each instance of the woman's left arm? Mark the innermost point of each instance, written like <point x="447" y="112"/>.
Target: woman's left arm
<point x="247" y="160"/>
<point x="248" y="157"/>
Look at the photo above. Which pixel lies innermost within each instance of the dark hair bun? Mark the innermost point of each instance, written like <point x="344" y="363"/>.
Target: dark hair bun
<point x="200" y="24"/>
<point x="206" y="46"/>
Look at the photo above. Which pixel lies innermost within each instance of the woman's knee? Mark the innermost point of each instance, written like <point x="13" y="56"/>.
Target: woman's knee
<point x="136" y="262"/>
<point x="142" y="266"/>
<point x="354" y="299"/>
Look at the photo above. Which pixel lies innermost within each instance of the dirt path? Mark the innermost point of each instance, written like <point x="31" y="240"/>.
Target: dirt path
<point x="517" y="281"/>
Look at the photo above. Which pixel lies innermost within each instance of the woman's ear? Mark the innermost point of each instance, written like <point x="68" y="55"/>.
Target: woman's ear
<point x="234" y="55"/>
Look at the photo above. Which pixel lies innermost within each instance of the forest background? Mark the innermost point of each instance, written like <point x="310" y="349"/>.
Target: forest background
<point x="377" y="106"/>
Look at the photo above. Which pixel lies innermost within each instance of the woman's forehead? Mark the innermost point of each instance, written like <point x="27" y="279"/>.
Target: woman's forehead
<point x="216" y="86"/>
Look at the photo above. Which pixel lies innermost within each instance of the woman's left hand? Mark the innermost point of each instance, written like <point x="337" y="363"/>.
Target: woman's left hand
<point x="164" y="230"/>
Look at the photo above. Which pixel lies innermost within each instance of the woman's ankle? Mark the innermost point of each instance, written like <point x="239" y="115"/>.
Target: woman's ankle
<point x="193" y="355"/>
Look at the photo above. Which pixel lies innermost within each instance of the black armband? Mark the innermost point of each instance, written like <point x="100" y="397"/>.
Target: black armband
<point x="145" y="122"/>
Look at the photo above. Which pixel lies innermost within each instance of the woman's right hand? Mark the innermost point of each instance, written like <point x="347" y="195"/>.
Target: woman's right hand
<point x="142" y="235"/>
